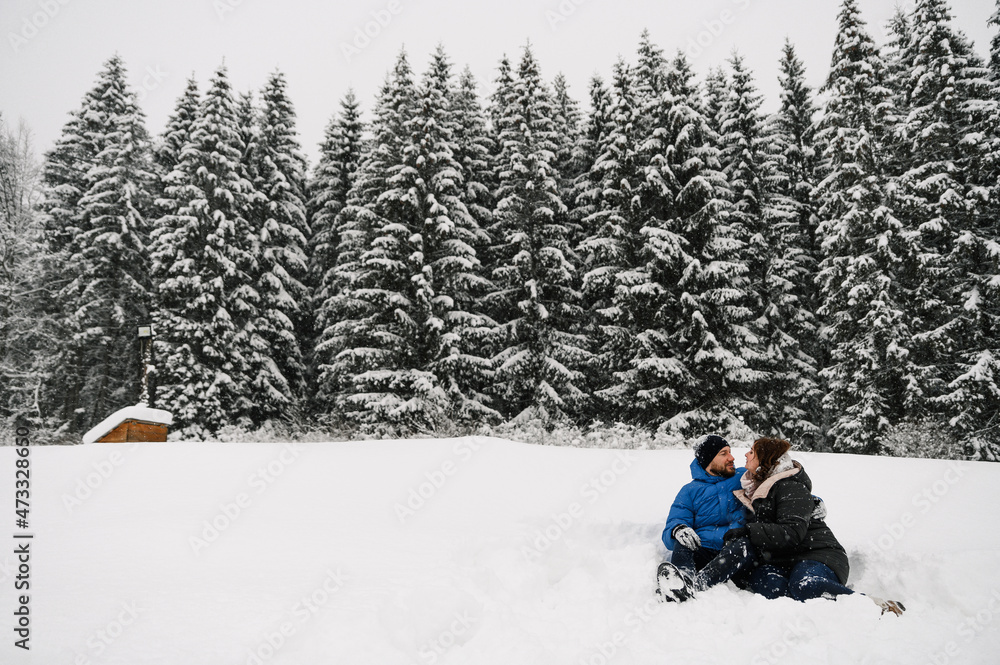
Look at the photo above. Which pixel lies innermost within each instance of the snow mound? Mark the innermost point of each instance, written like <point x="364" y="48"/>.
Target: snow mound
<point x="471" y="550"/>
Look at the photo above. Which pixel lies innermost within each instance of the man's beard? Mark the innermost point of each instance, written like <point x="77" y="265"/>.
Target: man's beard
<point x="724" y="472"/>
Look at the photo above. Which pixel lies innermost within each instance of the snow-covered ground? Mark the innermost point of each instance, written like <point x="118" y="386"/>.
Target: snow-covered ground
<point x="469" y="550"/>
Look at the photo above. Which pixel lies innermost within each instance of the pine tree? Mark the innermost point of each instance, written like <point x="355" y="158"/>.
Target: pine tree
<point x="801" y="156"/>
<point x="281" y="271"/>
<point x="864" y="248"/>
<point x="473" y="149"/>
<point x="612" y="253"/>
<point x="536" y="306"/>
<point x="350" y="343"/>
<point x="716" y="92"/>
<point x="420" y="277"/>
<point x="567" y="122"/>
<point x="503" y="89"/>
<point x="650" y="71"/>
<point x="751" y="171"/>
<point x="203" y="259"/>
<point x="586" y="190"/>
<point x="341" y="153"/>
<point x="944" y="197"/>
<point x="994" y="21"/>
<point x="972" y="401"/>
<point x="167" y="152"/>
<point x="686" y="371"/>
<point x="896" y="53"/>
<point x="798" y="260"/>
<point x="100" y="193"/>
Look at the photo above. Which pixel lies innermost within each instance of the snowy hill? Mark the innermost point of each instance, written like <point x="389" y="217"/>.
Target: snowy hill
<point x="469" y="551"/>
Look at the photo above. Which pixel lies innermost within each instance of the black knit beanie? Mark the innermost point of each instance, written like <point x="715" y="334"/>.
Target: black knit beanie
<point x="707" y="447"/>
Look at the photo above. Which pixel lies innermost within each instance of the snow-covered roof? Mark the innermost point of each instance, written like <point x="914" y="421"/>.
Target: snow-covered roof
<point x="139" y="412"/>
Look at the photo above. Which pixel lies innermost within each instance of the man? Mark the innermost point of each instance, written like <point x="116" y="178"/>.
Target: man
<point x="705" y="508"/>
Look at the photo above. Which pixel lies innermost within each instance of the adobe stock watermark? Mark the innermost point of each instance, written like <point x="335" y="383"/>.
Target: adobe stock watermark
<point x="560" y="523"/>
<point x="435" y="480"/>
<point x="714" y="28"/>
<point x="635" y="620"/>
<point x="102" y="471"/>
<point x="307" y="607"/>
<point x="924" y="501"/>
<point x="431" y="651"/>
<point x="152" y="79"/>
<point x="223" y="8"/>
<point x="562" y="12"/>
<point x="370" y="30"/>
<point x="101" y="640"/>
<point x="229" y="512"/>
<point x="32" y="25"/>
<point x="969" y="629"/>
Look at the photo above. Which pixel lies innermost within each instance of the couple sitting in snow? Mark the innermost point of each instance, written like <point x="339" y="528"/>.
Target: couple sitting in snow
<point x="759" y="526"/>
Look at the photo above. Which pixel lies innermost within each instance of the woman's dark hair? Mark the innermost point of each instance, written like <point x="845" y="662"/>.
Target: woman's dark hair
<point x="768" y="451"/>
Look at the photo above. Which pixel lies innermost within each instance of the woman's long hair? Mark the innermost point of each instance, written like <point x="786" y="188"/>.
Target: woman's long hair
<point x="768" y="451"/>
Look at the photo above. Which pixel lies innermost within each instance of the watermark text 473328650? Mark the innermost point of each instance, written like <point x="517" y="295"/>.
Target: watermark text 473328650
<point x="22" y="538"/>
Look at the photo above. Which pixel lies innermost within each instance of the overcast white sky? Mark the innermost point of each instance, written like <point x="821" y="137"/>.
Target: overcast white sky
<point x="52" y="50"/>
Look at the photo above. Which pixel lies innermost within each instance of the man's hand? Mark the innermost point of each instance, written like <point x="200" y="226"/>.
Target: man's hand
<point x="819" y="511"/>
<point x="733" y="534"/>
<point x="687" y="537"/>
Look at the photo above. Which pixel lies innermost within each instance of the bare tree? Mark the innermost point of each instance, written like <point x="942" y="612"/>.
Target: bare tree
<point x="25" y="328"/>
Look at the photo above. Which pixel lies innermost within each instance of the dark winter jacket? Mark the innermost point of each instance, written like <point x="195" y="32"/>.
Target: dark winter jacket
<point x="708" y="506"/>
<point x="781" y="526"/>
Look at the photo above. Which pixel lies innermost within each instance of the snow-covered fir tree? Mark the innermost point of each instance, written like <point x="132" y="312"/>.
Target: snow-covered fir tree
<point x="586" y="192"/>
<point x="349" y="343"/>
<point x="281" y="270"/>
<point x="503" y="88"/>
<point x="567" y="122"/>
<point x="473" y="150"/>
<point x="340" y="157"/>
<point x="167" y="151"/>
<point x="101" y="207"/>
<point x="716" y="90"/>
<point x="203" y="261"/>
<point x="896" y="54"/>
<point x="944" y="198"/>
<point x="535" y="306"/>
<point x="758" y="218"/>
<point x="796" y="254"/>
<point x="865" y="248"/>
<point x="420" y="281"/>
<point x="612" y="255"/>
<point x="446" y="270"/>
<point x="686" y="372"/>
<point x="650" y="70"/>
<point x="650" y="79"/>
<point x="800" y="154"/>
<point x="994" y="21"/>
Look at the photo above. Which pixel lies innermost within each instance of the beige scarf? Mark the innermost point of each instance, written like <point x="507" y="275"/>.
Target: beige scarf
<point x="750" y="486"/>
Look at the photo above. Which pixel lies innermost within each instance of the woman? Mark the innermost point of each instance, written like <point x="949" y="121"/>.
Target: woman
<point x="783" y="550"/>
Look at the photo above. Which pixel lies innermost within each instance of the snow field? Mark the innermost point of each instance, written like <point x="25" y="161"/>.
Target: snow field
<point x="470" y="551"/>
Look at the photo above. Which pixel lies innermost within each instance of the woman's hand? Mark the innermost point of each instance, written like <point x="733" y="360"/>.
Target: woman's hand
<point x="733" y="534"/>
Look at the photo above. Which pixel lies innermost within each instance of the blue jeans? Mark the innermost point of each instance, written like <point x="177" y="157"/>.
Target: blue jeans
<point x="801" y="581"/>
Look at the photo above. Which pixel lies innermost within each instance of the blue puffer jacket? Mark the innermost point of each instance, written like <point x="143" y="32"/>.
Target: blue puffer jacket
<point x="707" y="505"/>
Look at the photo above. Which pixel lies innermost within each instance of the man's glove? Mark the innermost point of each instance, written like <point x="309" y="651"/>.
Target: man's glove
<point x="733" y="534"/>
<point x="686" y="536"/>
<point x="819" y="509"/>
